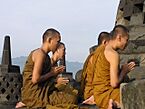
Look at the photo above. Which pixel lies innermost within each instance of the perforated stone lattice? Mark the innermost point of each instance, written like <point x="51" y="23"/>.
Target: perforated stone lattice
<point x="131" y="13"/>
<point x="10" y="88"/>
<point x="132" y="8"/>
<point x="10" y="79"/>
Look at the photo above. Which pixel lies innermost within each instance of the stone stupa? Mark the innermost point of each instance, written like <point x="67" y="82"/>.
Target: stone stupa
<point x="10" y="79"/>
<point x="131" y="13"/>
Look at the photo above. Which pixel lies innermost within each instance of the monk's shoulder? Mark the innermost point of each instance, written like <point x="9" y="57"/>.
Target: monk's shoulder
<point x="110" y="53"/>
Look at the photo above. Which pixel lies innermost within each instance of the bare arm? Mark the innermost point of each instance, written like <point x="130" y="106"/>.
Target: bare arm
<point x="38" y="58"/>
<point x="117" y="77"/>
<point x="113" y="59"/>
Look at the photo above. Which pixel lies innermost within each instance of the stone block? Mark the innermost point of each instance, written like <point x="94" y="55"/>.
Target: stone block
<point x="8" y="106"/>
<point x="78" y="76"/>
<point x="144" y="7"/>
<point x="138" y="1"/>
<point x="86" y="106"/>
<point x="137" y="32"/>
<point x="120" y="18"/>
<point x="138" y="8"/>
<point x="133" y="95"/>
<point x="140" y="57"/>
<point x="137" y="74"/>
<point x="122" y="4"/>
<point x="128" y="10"/>
<point x="137" y="19"/>
<point x="134" y="47"/>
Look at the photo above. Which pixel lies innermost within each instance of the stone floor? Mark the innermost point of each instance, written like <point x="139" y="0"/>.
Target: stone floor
<point x="86" y="106"/>
<point x="81" y="106"/>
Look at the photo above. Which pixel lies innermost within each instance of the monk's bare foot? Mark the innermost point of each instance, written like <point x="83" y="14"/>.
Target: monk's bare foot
<point x="110" y="106"/>
<point x="89" y="100"/>
<point x="19" y="105"/>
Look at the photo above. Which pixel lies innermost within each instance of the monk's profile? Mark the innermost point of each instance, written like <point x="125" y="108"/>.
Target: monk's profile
<point x="87" y="72"/>
<point x="107" y="76"/>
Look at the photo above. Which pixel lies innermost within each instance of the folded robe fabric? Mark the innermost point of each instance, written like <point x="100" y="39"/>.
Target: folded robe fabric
<point x="102" y="90"/>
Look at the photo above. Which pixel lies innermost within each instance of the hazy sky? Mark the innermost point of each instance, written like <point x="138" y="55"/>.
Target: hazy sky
<point x="79" y="22"/>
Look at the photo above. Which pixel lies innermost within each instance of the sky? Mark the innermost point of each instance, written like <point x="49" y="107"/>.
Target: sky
<point x="78" y="21"/>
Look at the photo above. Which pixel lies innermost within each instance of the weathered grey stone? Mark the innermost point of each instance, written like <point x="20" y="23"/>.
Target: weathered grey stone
<point x="8" y="106"/>
<point x="120" y="18"/>
<point x="137" y="19"/>
<point x="137" y="32"/>
<point x="122" y="4"/>
<point x="134" y="47"/>
<point x="137" y="73"/>
<point x="139" y="57"/>
<point x="133" y="95"/>
<point x="138" y="8"/>
<point x="78" y="76"/>
<point x="6" y="57"/>
<point x="138" y="1"/>
<point x="129" y="9"/>
<point x="144" y="7"/>
<point x="10" y="79"/>
<point x="86" y="106"/>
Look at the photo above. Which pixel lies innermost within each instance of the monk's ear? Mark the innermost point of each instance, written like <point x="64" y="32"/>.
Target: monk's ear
<point x="105" y="42"/>
<point x="118" y="37"/>
<point x="49" y="39"/>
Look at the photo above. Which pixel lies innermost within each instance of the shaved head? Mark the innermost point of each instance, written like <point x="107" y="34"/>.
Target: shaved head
<point x="119" y="29"/>
<point x="49" y="33"/>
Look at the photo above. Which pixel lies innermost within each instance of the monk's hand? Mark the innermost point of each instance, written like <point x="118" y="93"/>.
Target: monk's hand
<point x="128" y="67"/>
<point x="57" y="70"/>
<point x="131" y="65"/>
<point x="90" y="100"/>
<point x="62" y="80"/>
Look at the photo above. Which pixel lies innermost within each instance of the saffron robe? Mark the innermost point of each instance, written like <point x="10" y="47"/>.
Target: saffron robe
<point x="45" y="94"/>
<point x="87" y="77"/>
<point x="102" y="90"/>
<point x="36" y="95"/>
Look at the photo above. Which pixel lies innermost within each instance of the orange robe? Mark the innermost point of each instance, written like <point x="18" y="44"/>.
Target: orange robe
<point x="87" y="77"/>
<point x="102" y="90"/>
<point x="44" y="94"/>
<point x="36" y="95"/>
<point x="88" y="74"/>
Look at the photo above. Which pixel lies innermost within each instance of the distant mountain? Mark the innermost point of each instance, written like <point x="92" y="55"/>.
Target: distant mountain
<point x="70" y="66"/>
<point x="73" y="67"/>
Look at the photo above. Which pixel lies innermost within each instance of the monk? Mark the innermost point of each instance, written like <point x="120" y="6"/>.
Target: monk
<point x="65" y="97"/>
<point x="87" y="73"/>
<point x="107" y="76"/>
<point x="58" y="54"/>
<point x="103" y="38"/>
<point x="38" y="74"/>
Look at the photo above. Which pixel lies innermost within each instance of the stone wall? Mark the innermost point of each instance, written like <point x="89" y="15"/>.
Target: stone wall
<point x="133" y="95"/>
<point x="131" y="13"/>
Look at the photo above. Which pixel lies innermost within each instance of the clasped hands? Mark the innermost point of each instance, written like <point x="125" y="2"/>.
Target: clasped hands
<point x="58" y="70"/>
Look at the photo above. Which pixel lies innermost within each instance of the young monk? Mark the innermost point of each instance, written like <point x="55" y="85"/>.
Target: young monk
<point x="107" y="76"/>
<point x="57" y="56"/>
<point x="65" y="97"/>
<point x="87" y="73"/>
<point x="38" y="73"/>
<point x="103" y="38"/>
